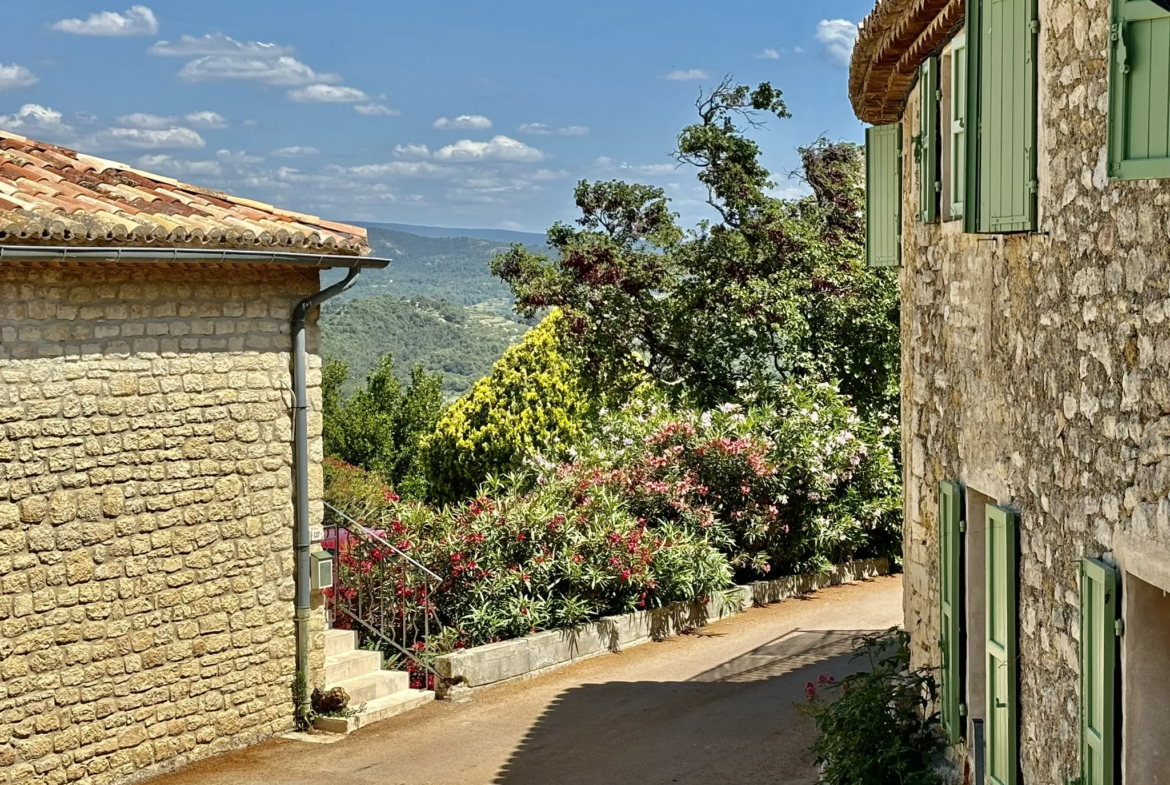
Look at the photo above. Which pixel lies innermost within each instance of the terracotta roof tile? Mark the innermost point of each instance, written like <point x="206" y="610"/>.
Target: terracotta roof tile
<point x="51" y="195"/>
<point x="894" y="40"/>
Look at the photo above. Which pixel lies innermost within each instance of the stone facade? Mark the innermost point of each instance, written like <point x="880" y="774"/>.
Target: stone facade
<point x="1036" y="371"/>
<point x="146" y="569"/>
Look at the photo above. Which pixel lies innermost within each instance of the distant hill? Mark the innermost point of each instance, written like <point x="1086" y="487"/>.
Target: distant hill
<point x="495" y="235"/>
<point x="457" y="269"/>
<point x="459" y="341"/>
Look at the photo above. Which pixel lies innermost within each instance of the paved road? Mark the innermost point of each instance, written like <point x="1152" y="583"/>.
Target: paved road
<point x="706" y="708"/>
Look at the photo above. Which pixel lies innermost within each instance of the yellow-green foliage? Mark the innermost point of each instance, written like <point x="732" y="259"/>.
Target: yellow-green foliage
<point x="534" y="401"/>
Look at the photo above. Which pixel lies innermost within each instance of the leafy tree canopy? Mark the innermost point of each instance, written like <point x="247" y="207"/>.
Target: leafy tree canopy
<point x="773" y="290"/>
<point x="380" y="427"/>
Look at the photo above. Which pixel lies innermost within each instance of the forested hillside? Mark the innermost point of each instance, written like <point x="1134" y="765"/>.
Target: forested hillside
<point x="443" y="268"/>
<point x="458" y="341"/>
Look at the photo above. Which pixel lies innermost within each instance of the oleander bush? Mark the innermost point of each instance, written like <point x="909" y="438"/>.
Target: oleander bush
<point x="514" y="562"/>
<point x="789" y="486"/>
<point x="878" y="727"/>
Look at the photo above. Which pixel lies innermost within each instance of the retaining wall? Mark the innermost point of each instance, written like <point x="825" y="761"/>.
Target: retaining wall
<point x="466" y="672"/>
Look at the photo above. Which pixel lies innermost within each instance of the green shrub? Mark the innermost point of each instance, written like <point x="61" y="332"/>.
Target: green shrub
<point x="788" y="487"/>
<point x="877" y="727"/>
<point x="381" y="426"/>
<point x="535" y="400"/>
<point x="514" y="563"/>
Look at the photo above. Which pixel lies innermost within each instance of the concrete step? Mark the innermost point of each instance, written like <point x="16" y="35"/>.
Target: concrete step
<point x="340" y="641"/>
<point x="375" y="711"/>
<point x="350" y="665"/>
<point x="372" y="686"/>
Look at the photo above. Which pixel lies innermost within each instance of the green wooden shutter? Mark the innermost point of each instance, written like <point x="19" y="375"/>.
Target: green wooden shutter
<point x="958" y="125"/>
<point x="1139" y="91"/>
<point x="927" y="152"/>
<point x="883" y="195"/>
<point x="1002" y="711"/>
<point x="1098" y="672"/>
<point x="1002" y="77"/>
<point x="950" y="610"/>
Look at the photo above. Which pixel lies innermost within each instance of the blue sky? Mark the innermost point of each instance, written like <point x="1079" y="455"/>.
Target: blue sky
<point x="467" y="114"/>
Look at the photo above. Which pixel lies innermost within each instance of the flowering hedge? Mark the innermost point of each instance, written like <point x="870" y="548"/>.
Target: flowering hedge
<point x="517" y="562"/>
<point x="793" y="486"/>
<point x="661" y="505"/>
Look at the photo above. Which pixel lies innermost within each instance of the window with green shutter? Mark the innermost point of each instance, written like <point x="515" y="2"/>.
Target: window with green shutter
<point x="1099" y="617"/>
<point x="958" y="125"/>
<point x="926" y="144"/>
<point x="883" y="195"/>
<point x="950" y="610"/>
<point x="1002" y="40"/>
<point x="1139" y="91"/>
<point x="1002" y="756"/>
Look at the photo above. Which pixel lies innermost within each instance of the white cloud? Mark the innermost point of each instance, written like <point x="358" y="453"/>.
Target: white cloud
<point x="14" y="75"/>
<point x="138" y="20"/>
<point x="36" y="119"/>
<point x="408" y="169"/>
<point x="377" y="110"/>
<point x="511" y="225"/>
<point x="282" y="70"/>
<point x="327" y="94"/>
<point x="689" y="75"/>
<point x="464" y="122"/>
<point x="153" y="122"/>
<point x="145" y="139"/>
<point x="540" y="129"/>
<point x="412" y="152"/>
<point x="174" y="167"/>
<point x="837" y="37"/>
<point x="146" y="121"/>
<point x="216" y="44"/>
<point x="295" y="152"/>
<point x="768" y="54"/>
<point x="238" y="157"/>
<point x="208" y="120"/>
<point x="500" y="148"/>
<point x="610" y="166"/>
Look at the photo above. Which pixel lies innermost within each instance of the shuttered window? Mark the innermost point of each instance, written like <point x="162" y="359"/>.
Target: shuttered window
<point x="1139" y="91"/>
<point x="1099" y="615"/>
<point x="1002" y="763"/>
<point x="883" y="195"/>
<point x="1001" y="158"/>
<point x="950" y="610"/>
<point x="958" y="125"/>
<point x="927" y="143"/>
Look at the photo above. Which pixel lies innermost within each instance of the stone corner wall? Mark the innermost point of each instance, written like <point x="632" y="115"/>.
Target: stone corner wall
<point x="146" y="585"/>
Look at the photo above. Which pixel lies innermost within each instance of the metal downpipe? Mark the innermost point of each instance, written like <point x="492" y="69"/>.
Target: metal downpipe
<point x="301" y="537"/>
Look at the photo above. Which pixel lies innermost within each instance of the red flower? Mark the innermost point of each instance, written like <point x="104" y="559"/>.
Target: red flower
<point x="389" y="496"/>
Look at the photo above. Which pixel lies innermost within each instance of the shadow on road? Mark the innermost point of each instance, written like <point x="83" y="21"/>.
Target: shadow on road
<point x="735" y="723"/>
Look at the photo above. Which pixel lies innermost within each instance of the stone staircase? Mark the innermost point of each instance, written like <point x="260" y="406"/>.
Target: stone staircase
<point x="374" y="694"/>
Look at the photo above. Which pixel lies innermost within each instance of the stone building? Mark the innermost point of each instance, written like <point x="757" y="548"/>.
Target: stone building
<point x="1016" y="175"/>
<point x="151" y="610"/>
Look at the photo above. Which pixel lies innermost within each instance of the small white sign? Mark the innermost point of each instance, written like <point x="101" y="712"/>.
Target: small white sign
<point x="316" y="533"/>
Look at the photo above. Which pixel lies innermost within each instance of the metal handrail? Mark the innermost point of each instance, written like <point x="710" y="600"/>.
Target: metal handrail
<point x="375" y="536"/>
<point x="406" y="652"/>
<point x="380" y="590"/>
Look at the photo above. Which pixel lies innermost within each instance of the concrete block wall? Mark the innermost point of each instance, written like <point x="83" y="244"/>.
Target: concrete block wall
<point x="146" y="585"/>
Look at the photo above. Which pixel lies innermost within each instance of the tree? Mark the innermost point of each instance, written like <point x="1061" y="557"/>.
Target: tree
<point x="774" y="290"/>
<point x="535" y="401"/>
<point x="381" y="426"/>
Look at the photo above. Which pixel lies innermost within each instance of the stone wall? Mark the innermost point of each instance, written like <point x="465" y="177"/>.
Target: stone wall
<point x="1036" y="370"/>
<point x="146" y="586"/>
